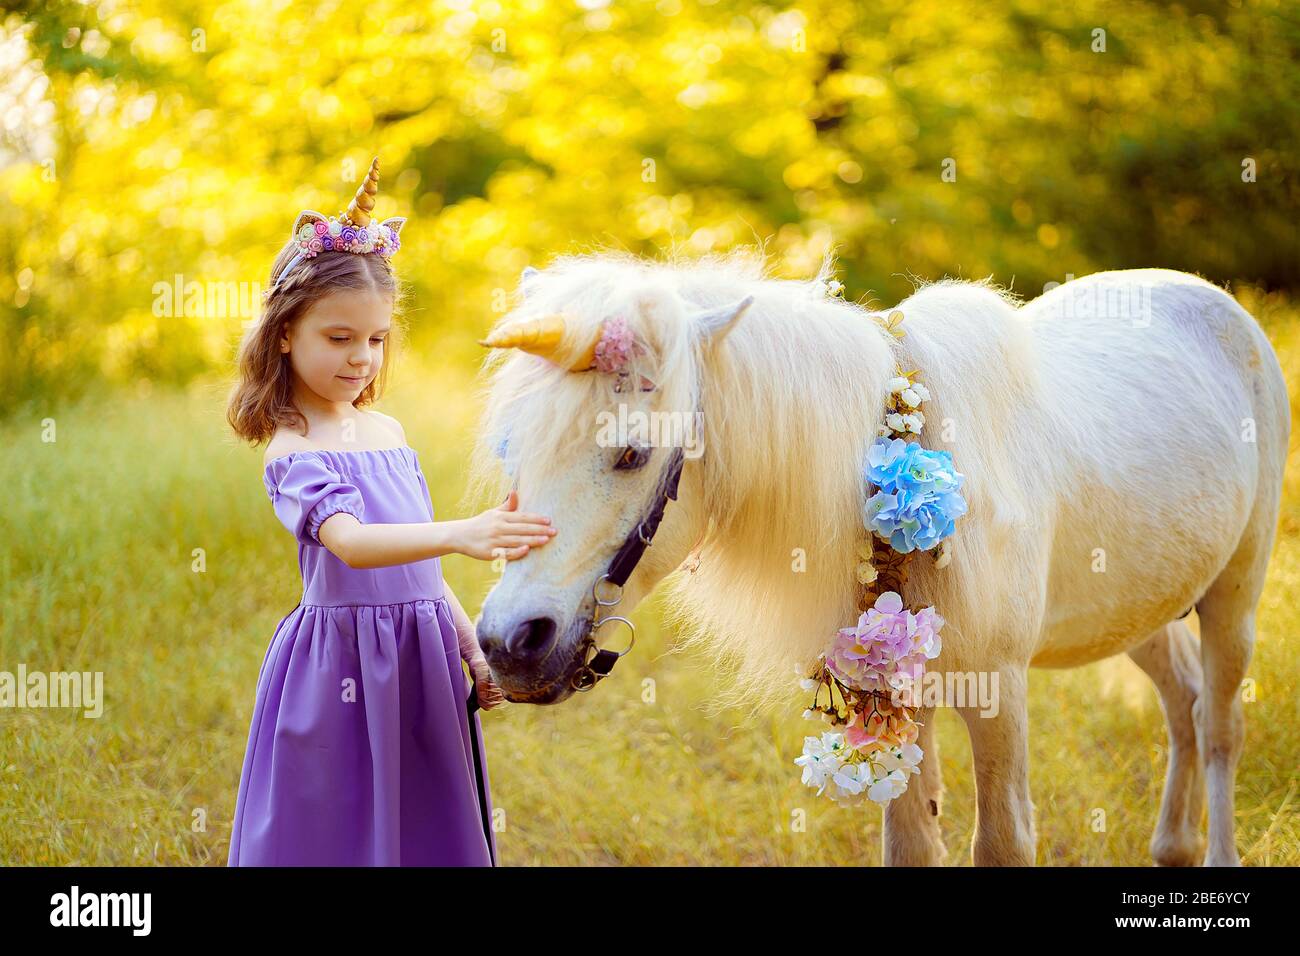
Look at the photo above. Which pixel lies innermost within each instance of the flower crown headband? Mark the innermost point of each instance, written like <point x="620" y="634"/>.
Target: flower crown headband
<point x="352" y="231"/>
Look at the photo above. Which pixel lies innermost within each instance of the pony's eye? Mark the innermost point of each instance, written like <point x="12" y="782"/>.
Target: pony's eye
<point x="633" y="457"/>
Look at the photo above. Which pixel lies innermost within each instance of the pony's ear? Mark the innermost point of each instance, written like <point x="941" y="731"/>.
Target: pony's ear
<point x="714" y="324"/>
<point x="394" y="223"/>
<point x="526" y="278"/>
<point x="307" y="217"/>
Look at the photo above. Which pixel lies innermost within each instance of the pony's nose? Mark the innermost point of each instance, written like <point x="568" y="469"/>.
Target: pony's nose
<point x="531" y="641"/>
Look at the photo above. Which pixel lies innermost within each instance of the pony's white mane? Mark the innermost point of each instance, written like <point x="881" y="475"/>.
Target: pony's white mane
<point x="791" y="400"/>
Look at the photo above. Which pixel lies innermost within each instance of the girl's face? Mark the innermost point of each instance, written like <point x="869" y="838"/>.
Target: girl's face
<point x="336" y="347"/>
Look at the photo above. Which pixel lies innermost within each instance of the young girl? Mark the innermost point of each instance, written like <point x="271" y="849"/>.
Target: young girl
<point x="362" y="749"/>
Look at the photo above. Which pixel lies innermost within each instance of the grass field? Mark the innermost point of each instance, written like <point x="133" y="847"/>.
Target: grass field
<point x="98" y="573"/>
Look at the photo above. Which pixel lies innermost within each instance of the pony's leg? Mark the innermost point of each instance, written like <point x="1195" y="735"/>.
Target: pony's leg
<point x="1171" y="657"/>
<point x="1227" y="640"/>
<point x="1227" y="615"/>
<point x="911" y="834"/>
<point x="1004" y="823"/>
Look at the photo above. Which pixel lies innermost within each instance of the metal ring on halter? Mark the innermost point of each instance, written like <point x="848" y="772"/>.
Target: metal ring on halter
<point x="596" y="597"/>
<point x="584" y="678"/>
<point x="630" y="626"/>
<point x="640" y="533"/>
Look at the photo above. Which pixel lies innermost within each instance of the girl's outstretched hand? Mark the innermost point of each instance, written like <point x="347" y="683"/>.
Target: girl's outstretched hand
<point x="504" y="532"/>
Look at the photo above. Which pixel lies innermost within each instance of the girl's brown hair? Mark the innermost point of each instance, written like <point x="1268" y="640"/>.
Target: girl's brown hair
<point x="262" y="399"/>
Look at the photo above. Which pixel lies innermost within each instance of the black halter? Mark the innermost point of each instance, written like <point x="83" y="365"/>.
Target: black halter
<point x="620" y="569"/>
<point x="625" y="560"/>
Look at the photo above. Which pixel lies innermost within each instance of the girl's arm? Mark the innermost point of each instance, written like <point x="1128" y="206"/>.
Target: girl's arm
<point x="489" y="694"/>
<point x="497" y="532"/>
<point x="465" y="635"/>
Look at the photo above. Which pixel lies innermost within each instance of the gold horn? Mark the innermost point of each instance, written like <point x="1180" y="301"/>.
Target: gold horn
<point x="358" y="211"/>
<point x="541" y="336"/>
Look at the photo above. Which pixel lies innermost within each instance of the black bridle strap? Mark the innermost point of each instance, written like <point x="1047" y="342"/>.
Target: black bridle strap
<point x="625" y="561"/>
<point x="603" y="662"/>
<point x="629" y="554"/>
<point x="627" y="557"/>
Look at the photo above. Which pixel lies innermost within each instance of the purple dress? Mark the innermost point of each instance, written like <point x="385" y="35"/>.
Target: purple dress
<point x="361" y="751"/>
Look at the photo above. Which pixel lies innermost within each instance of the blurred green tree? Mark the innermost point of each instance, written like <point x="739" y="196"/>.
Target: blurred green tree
<point x="148" y="146"/>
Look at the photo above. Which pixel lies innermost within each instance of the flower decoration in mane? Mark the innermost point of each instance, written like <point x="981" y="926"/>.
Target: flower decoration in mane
<point x="871" y="671"/>
<point x="919" y="496"/>
<point x="888" y="647"/>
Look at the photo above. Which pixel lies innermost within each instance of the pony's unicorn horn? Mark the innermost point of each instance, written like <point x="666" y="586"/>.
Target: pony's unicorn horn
<point x="541" y="336"/>
<point x="358" y="211"/>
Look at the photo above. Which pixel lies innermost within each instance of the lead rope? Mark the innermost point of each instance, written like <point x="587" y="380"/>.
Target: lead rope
<point x="478" y="773"/>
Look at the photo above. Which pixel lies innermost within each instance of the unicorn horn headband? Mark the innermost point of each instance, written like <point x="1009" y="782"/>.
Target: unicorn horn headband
<point x="353" y="231"/>
<point x="609" y="348"/>
<point x="541" y="336"/>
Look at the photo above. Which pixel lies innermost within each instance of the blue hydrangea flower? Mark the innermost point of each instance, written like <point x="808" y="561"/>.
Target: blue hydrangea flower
<point x="919" y="494"/>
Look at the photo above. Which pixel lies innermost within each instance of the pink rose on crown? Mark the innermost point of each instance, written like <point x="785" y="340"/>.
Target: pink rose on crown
<point x="617" y="345"/>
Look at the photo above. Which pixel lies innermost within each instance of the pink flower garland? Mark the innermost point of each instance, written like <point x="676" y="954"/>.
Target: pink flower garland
<point x="886" y="651"/>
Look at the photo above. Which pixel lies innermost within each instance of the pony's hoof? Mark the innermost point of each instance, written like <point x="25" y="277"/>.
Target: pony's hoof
<point x="1223" y="860"/>
<point x="1179" y="849"/>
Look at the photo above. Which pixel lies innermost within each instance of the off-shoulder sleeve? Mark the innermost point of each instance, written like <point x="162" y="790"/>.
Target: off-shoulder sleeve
<point x="305" y="491"/>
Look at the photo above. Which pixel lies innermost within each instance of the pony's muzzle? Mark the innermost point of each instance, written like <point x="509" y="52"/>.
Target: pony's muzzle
<point x="533" y="660"/>
<point x="532" y="640"/>
<point x="526" y="645"/>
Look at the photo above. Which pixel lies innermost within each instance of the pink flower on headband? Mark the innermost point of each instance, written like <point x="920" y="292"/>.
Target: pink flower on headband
<point x="321" y="228"/>
<point x="617" y="345"/>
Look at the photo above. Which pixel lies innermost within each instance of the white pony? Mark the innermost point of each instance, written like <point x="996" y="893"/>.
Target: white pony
<point x="1123" y="438"/>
